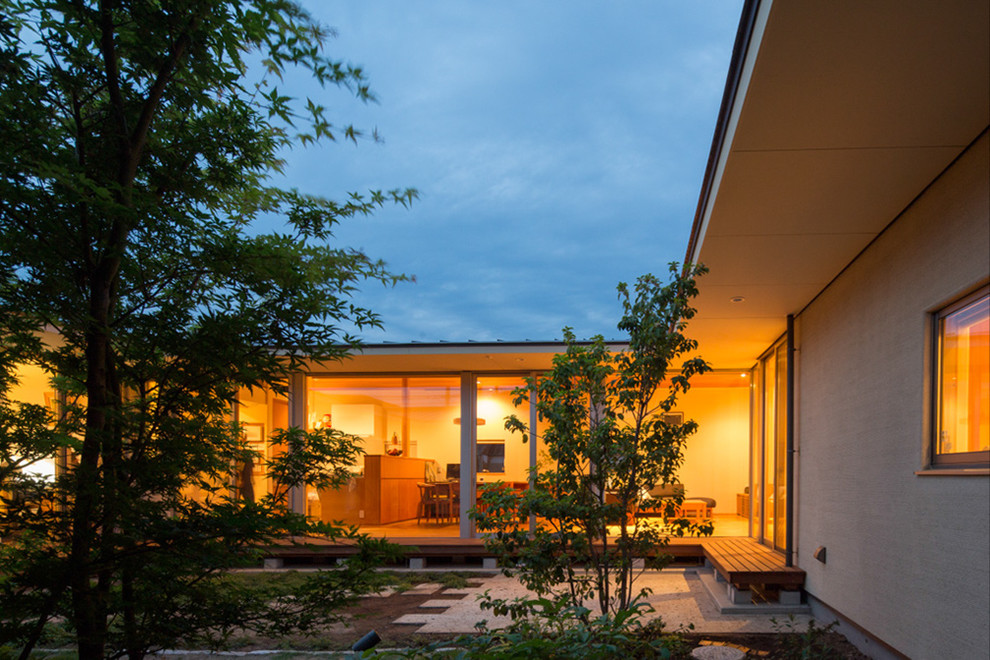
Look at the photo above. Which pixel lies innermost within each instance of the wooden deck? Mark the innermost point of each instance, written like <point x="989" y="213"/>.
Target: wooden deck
<point x="741" y="561"/>
<point x="415" y="546"/>
<point x="745" y="566"/>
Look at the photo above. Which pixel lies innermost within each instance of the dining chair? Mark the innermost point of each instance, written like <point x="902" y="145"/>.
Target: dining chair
<point x="447" y="499"/>
<point x="429" y="505"/>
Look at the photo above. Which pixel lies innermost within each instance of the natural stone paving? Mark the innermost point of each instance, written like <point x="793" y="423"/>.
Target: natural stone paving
<point x="384" y="593"/>
<point x="440" y="603"/>
<point x="424" y="588"/>
<point x="677" y="596"/>
<point x="717" y="653"/>
<point x="416" y="619"/>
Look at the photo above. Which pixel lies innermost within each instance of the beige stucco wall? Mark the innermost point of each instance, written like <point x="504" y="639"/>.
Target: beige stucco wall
<point x="907" y="555"/>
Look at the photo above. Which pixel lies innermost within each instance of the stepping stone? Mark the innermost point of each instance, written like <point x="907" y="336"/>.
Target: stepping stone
<point x="384" y="593"/>
<point x="717" y="653"/>
<point x="440" y="603"/>
<point x="425" y="588"/>
<point x="415" y="619"/>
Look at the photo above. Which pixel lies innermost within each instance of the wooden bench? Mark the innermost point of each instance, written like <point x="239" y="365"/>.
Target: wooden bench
<point x="743" y="564"/>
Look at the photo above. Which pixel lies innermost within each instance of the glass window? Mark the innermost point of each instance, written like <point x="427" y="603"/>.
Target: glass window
<point x="769" y="437"/>
<point x="780" y="448"/>
<point x="501" y="455"/>
<point x="33" y="386"/>
<point x="769" y="449"/>
<point x="756" y="453"/>
<point x="962" y="410"/>
<point x="260" y="412"/>
<point x="409" y="429"/>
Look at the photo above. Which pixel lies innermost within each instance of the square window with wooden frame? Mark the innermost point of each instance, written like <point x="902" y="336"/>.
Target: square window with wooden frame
<point x="962" y="383"/>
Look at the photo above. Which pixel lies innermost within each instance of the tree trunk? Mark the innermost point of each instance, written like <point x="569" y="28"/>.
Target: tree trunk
<point x="131" y="642"/>
<point x="89" y="606"/>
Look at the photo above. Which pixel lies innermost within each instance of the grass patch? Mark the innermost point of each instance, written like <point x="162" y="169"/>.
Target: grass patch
<point x="398" y="580"/>
<point x="332" y="637"/>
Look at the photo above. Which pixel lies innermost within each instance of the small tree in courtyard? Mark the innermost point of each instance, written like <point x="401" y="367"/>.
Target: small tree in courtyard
<point x="607" y="445"/>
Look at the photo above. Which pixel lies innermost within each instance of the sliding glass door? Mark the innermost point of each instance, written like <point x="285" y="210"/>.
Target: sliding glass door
<point x="411" y="429"/>
<point x="769" y="448"/>
<point x="408" y="427"/>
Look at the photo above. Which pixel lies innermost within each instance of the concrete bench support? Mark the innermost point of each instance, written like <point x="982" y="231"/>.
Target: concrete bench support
<point x="739" y="596"/>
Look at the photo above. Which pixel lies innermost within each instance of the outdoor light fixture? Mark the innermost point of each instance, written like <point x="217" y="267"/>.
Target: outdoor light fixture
<point x="820" y="554"/>
<point x="737" y="299"/>
<point x="367" y="642"/>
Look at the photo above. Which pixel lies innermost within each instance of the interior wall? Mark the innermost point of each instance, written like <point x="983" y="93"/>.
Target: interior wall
<point x="322" y="403"/>
<point x="716" y="458"/>
<point x="33" y="386"/>
<point x="494" y="408"/>
<point x="434" y="435"/>
<point x="906" y="553"/>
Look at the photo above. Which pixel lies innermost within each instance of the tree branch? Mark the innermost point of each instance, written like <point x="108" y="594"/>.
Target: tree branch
<point x="108" y="52"/>
<point x="151" y="103"/>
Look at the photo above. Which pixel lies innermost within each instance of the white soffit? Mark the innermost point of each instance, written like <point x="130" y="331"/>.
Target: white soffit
<point x="450" y="358"/>
<point x="850" y="110"/>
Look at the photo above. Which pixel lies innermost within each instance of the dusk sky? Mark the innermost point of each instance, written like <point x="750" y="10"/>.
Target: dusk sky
<point x="558" y="148"/>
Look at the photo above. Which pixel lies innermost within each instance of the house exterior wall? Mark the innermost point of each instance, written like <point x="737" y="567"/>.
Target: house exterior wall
<point x="907" y="555"/>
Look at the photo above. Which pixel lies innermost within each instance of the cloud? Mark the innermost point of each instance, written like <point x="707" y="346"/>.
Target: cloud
<point x="558" y="147"/>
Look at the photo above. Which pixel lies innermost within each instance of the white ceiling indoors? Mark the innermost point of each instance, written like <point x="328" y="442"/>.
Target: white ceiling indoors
<point x="842" y="117"/>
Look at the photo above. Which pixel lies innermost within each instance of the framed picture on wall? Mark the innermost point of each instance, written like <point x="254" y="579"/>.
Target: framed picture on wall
<point x="673" y="418"/>
<point x="254" y="435"/>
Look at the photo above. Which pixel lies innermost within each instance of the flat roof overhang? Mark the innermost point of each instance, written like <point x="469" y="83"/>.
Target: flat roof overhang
<point x="420" y="358"/>
<point x="449" y="357"/>
<point x="836" y="117"/>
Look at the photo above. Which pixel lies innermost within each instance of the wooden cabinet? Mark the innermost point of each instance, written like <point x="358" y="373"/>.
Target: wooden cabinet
<point x="343" y="504"/>
<point x="390" y="488"/>
<point x="386" y="493"/>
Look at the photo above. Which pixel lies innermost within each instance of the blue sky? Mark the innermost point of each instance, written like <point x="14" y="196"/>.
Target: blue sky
<point x="558" y="148"/>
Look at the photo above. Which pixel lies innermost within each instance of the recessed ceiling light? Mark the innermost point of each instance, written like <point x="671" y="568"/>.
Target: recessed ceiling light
<point x="737" y="299"/>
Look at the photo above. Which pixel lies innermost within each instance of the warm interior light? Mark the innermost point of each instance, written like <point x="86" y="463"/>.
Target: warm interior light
<point x="737" y="299"/>
<point x="480" y="421"/>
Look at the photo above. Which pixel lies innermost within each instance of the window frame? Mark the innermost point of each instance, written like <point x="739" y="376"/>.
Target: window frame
<point x="937" y="459"/>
